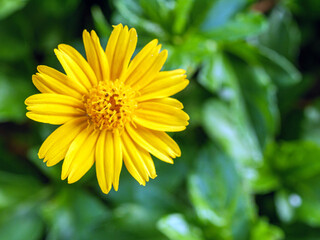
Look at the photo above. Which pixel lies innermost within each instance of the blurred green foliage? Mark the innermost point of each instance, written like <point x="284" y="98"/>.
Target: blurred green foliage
<point x="250" y="165"/>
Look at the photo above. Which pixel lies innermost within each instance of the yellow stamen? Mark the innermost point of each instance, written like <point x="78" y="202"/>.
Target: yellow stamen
<point x="110" y="105"/>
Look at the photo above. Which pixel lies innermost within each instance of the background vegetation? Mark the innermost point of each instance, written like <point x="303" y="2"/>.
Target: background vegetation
<point x="250" y="165"/>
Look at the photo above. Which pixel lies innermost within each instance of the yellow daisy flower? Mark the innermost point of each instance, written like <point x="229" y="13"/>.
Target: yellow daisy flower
<point x="111" y="108"/>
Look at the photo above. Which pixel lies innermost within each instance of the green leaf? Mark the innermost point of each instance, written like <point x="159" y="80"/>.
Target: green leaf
<point x="284" y="208"/>
<point x="176" y="227"/>
<point x="256" y="89"/>
<point x="224" y="124"/>
<point x="214" y="74"/>
<point x="283" y="72"/>
<point x="54" y="7"/>
<point x="189" y="53"/>
<point x="20" y="198"/>
<point x="23" y="223"/>
<point x="294" y="161"/>
<point x="246" y="114"/>
<point x="282" y="34"/>
<point x="263" y="230"/>
<point x="101" y="24"/>
<point x="242" y="26"/>
<point x="159" y="11"/>
<point x="200" y="11"/>
<point x="16" y="189"/>
<point x="182" y="13"/>
<point x="131" y="13"/>
<point x="8" y="7"/>
<point x="280" y="70"/>
<point x="13" y="91"/>
<point x="297" y="167"/>
<point x="73" y="214"/>
<point x="218" y="196"/>
<point x="300" y="203"/>
<point x="13" y="48"/>
<point x="311" y="122"/>
<point x="263" y="179"/>
<point x="259" y="94"/>
<point x="307" y="9"/>
<point x="130" y="216"/>
<point x="298" y="231"/>
<point x="221" y="12"/>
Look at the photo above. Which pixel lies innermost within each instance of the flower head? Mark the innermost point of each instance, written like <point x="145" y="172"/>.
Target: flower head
<point x="111" y="109"/>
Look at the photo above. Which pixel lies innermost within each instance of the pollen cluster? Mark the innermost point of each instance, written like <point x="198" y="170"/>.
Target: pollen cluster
<point x="110" y="105"/>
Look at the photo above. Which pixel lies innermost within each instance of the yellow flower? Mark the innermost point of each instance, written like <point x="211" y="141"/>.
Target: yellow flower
<point x="111" y="108"/>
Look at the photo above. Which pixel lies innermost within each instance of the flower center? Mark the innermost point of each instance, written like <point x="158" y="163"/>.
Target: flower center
<point x="110" y="105"/>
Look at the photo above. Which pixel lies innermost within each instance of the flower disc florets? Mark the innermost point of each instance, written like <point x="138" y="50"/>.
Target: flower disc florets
<point x="110" y="105"/>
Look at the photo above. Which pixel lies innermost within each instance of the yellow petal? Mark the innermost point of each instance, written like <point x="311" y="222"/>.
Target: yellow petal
<point x="53" y="108"/>
<point x="145" y="52"/>
<point x="104" y="161"/>
<point x="52" y="98"/>
<point x="173" y="147"/>
<point x="164" y="85"/>
<point x="160" y="117"/>
<point x="80" y="156"/>
<point x="117" y="159"/>
<point x="39" y="83"/>
<point x="74" y="71"/>
<point x="49" y="80"/>
<point x="96" y="57"/>
<point x="148" y="68"/>
<point x="141" y="62"/>
<point x="55" y="147"/>
<point x="46" y="84"/>
<point x="106" y="157"/>
<point x="45" y="118"/>
<point x="138" y="161"/>
<point x="149" y="140"/>
<point x="91" y="54"/>
<point x="112" y="42"/>
<point x="119" y="50"/>
<point x="82" y="63"/>
<point x="168" y="101"/>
